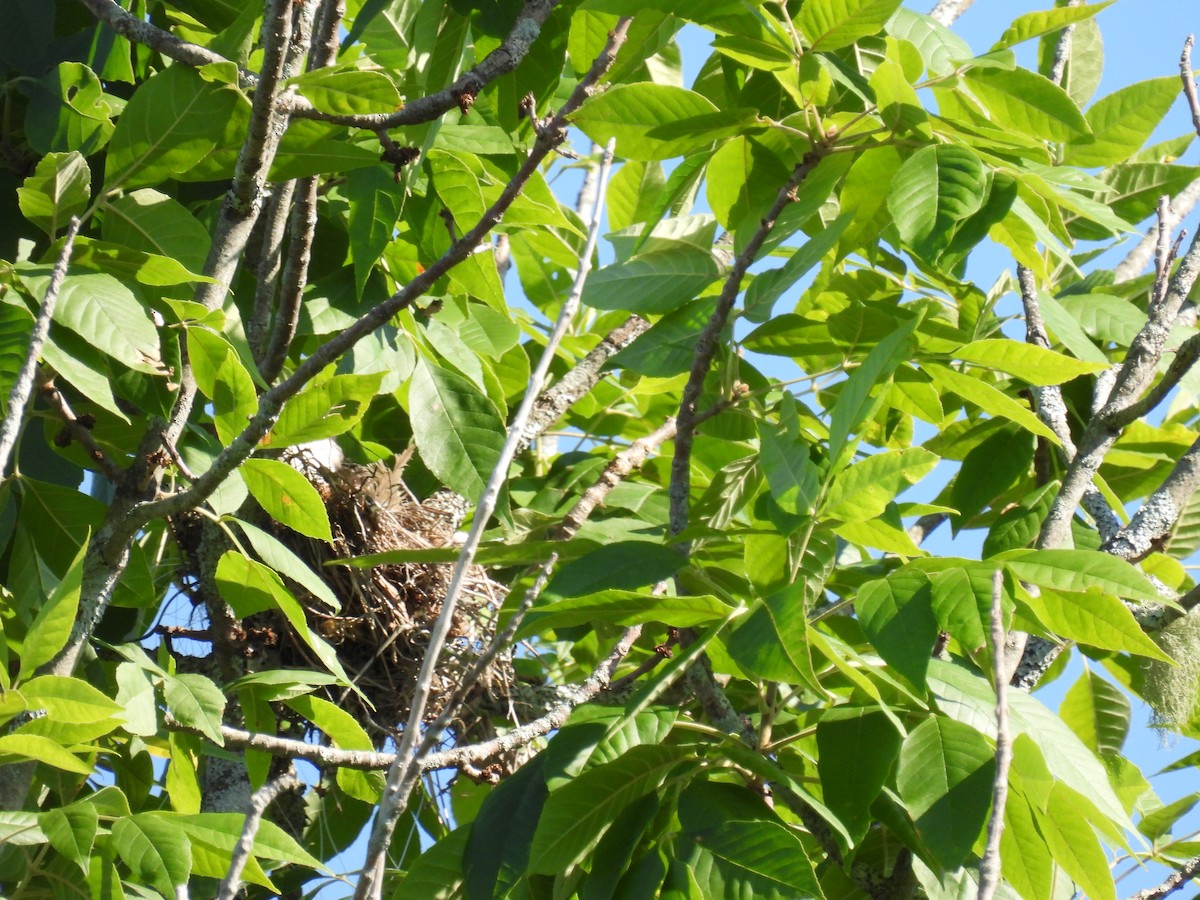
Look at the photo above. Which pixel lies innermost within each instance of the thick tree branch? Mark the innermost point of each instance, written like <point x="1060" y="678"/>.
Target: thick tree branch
<point x="1158" y="514"/>
<point x="1134" y="376"/>
<point x="405" y="772"/>
<point x="18" y="397"/>
<point x="989" y="864"/>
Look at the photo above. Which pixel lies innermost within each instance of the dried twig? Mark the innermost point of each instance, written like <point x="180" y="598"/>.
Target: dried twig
<point x="989" y="864"/>
<point x="18" y="397"/>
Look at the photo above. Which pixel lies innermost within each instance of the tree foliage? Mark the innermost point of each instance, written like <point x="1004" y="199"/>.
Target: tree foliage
<point x="261" y="345"/>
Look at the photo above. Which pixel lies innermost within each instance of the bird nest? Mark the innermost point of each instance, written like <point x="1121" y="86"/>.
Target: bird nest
<point x="382" y="630"/>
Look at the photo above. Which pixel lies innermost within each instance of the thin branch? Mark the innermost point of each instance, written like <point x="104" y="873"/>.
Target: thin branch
<point x="989" y="863"/>
<point x="707" y="342"/>
<point x="1189" y="83"/>
<point x="18" y="397"/>
<point x="499" y="62"/>
<point x="1158" y="515"/>
<point x="926" y="525"/>
<point x="259" y="801"/>
<point x="405" y="772"/>
<point x="270" y="262"/>
<point x="142" y="32"/>
<point x="947" y="11"/>
<point x="1186" y="873"/>
<point x="576" y="383"/>
<point x="76" y="429"/>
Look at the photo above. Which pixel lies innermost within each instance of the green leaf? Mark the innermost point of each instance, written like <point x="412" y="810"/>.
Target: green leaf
<point x="1027" y="103"/>
<point x="1122" y="122"/>
<point x="20" y="829"/>
<point x="1074" y="845"/>
<point x="987" y="398"/>
<point x="71" y="830"/>
<point x="196" y="702"/>
<point x="58" y="189"/>
<point x="794" y="479"/>
<point x="1097" y="711"/>
<point x="855" y="404"/>
<point x="250" y="587"/>
<point x="940" y="47"/>
<point x="279" y="557"/>
<point x="936" y="189"/>
<point x="732" y="845"/>
<point x="769" y="286"/>
<point x="105" y="313"/>
<point x="287" y="497"/>
<point x="945" y="780"/>
<point x="756" y="53"/>
<point x="576" y="816"/>
<point x="173" y="121"/>
<point x="657" y="281"/>
<point x="36" y="748"/>
<point x="222" y="378"/>
<point x="69" y="699"/>
<point x="864" y="490"/>
<point x="324" y="409"/>
<point x="772" y="642"/>
<point x="831" y="24"/>
<point x="127" y="264"/>
<point x="1033" y="365"/>
<point x="343" y="92"/>
<point x="152" y="222"/>
<point x="642" y="117"/>
<point x="156" y="850"/>
<point x="135" y="693"/>
<point x="962" y="602"/>
<point x="345" y="733"/>
<point x="1035" y="24"/>
<point x="897" y="615"/>
<point x="1094" y="618"/>
<point x="623" y="608"/>
<point x="1078" y="570"/>
<point x="856" y="748"/>
<point x="458" y="430"/>
<point x="55" y="619"/>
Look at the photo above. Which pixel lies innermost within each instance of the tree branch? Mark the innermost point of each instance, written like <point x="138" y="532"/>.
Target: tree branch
<point x="989" y="864"/>
<point x="947" y="11"/>
<point x="499" y="62"/>
<point x="77" y="430"/>
<point x="1189" y="83"/>
<point x="259" y="801"/>
<point x="1181" y="205"/>
<point x="1186" y="873"/>
<point x="18" y="397"/>
<point x="406" y="770"/>
<point x="706" y="344"/>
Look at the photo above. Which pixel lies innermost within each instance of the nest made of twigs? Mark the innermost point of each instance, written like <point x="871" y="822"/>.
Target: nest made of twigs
<point x="382" y="630"/>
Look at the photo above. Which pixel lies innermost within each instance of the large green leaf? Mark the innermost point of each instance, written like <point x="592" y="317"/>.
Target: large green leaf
<point x="222" y="378"/>
<point x="348" y="92"/>
<point x="69" y="699"/>
<point x="864" y="490"/>
<point x="623" y="608"/>
<point x="936" y="189"/>
<point x="772" y="642"/>
<point x="1035" y="24"/>
<point x="51" y="627"/>
<point x="72" y="830"/>
<point x="856" y="749"/>
<point x="1074" y="845"/>
<point x="195" y="701"/>
<point x="1027" y="103"/>
<point x="1034" y="365"/>
<point x="172" y="122"/>
<point x="1097" y="711"/>
<point x="577" y="815"/>
<point x="105" y="313"/>
<point x="287" y="497"/>
<point x="1094" y="618"/>
<point x="657" y="281"/>
<point x="153" y="222"/>
<point x="989" y="399"/>
<point x="58" y="189"/>
<point x="324" y="409"/>
<point x="897" y="615"/>
<point x="646" y="119"/>
<point x="35" y="748"/>
<point x="458" y="430"/>
<point x="1122" y="122"/>
<point x="1077" y="570"/>
<point x="830" y="24"/>
<point x="945" y="780"/>
<point x="156" y="850"/>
